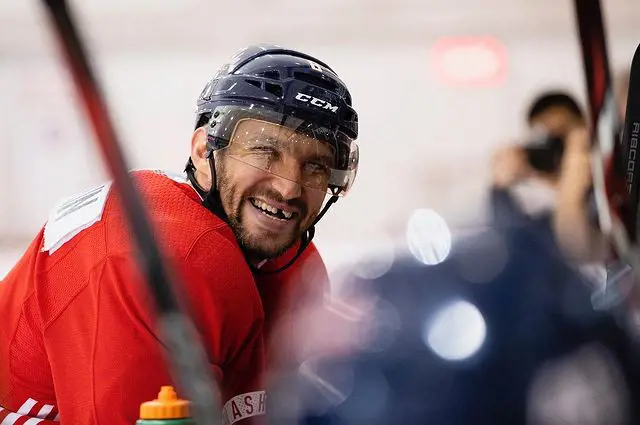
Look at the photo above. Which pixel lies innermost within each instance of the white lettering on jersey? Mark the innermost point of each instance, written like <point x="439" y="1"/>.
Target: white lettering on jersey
<point x="244" y="406"/>
<point x="72" y="215"/>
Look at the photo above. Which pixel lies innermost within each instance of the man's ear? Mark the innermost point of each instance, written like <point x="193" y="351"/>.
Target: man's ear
<point x="199" y="158"/>
<point x="199" y="146"/>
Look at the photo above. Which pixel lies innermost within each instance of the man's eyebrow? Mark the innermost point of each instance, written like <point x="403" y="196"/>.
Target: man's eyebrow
<point x="276" y="140"/>
<point x="258" y="135"/>
<point x="325" y="157"/>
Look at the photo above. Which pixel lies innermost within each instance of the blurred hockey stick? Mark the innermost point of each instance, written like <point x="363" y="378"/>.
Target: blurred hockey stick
<point x="629" y="144"/>
<point x="186" y="354"/>
<point x="615" y="176"/>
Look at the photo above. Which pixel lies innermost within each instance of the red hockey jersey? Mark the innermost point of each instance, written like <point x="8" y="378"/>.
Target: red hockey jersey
<point x="78" y="341"/>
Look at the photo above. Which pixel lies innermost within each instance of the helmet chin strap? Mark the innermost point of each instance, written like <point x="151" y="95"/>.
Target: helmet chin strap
<point x="307" y="236"/>
<point x="211" y="200"/>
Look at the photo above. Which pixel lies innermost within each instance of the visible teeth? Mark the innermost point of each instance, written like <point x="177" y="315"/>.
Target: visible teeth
<point x="267" y="207"/>
<point x="273" y="210"/>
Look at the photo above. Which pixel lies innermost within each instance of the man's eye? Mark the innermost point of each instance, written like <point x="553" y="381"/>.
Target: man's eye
<point x="263" y="149"/>
<point x="315" y="167"/>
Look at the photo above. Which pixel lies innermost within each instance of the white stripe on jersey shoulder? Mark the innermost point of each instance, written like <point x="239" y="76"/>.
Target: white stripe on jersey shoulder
<point x="72" y="215"/>
<point x="79" y="212"/>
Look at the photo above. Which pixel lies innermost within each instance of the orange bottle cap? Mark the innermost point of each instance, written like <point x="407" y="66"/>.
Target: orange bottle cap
<point x="166" y="406"/>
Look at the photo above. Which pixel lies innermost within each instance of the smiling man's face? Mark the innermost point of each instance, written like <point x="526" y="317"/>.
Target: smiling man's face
<point x="272" y="183"/>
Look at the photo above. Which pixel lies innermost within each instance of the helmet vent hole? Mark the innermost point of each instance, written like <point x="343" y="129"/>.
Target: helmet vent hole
<point x="274" y="89"/>
<point x="256" y="83"/>
<point x="316" y="80"/>
<point x="272" y="74"/>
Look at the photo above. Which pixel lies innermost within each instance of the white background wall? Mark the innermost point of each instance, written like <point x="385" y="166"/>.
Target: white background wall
<point x="422" y="144"/>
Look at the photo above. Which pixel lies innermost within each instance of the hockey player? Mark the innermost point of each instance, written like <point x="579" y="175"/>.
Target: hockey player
<point x="275" y="133"/>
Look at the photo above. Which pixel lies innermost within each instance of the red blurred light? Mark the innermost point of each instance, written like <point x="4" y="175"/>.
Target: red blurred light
<point x="469" y="62"/>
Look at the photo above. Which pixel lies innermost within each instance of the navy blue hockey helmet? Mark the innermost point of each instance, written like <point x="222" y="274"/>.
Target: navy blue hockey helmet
<point x="291" y="96"/>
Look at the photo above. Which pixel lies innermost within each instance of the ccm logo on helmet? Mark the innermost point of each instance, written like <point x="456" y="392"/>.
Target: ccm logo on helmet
<point x="316" y="102"/>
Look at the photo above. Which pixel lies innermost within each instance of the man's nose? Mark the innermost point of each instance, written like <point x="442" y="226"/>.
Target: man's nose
<point x="287" y="180"/>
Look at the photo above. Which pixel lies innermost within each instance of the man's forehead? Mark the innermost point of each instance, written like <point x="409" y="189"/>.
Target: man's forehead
<point x="251" y="127"/>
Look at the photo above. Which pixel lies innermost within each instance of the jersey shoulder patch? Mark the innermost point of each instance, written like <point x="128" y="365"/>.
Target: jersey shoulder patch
<point x="72" y="215"/>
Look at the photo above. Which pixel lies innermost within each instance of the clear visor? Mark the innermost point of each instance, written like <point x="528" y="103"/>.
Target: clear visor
<point x="288" y="147"/>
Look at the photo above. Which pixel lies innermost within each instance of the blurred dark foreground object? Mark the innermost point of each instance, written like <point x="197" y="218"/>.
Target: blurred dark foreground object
<point x="502" y="332"/>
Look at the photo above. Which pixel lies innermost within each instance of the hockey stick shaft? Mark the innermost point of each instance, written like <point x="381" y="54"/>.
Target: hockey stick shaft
<point x="186" y="355"/>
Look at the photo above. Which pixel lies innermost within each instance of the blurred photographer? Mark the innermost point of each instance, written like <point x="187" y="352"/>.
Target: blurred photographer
<point x="557" y="159"/>
<point x="526" y="178"/>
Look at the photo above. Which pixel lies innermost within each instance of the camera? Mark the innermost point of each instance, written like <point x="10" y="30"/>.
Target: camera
<point x="544" y="151"/>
